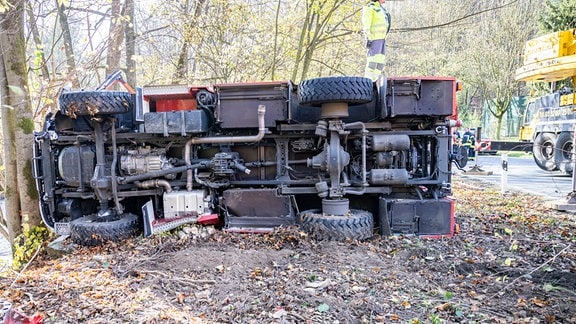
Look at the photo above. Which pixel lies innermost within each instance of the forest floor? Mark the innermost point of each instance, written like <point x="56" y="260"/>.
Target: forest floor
<point x="514" y="260"/>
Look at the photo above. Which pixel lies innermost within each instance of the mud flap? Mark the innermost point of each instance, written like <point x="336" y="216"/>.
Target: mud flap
<point x="427" y="218"/>
<point x="155" y="226"/>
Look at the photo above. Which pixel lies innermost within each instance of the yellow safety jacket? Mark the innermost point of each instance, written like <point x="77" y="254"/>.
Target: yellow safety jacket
<point x="375" y="21"/>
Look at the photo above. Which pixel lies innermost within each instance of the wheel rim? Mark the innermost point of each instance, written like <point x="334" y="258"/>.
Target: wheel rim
<point x="546" y="151"/>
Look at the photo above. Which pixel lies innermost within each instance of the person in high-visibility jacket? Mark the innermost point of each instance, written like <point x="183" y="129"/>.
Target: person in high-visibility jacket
<point x="468" y="141"/>
<point x="376" y="25"/>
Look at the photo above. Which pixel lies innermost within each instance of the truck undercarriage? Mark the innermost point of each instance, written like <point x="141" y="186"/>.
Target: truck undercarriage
<point x="342" y="157"/>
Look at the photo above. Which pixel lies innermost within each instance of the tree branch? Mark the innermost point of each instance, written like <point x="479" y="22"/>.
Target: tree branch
<point x="501" y="291"/>
<point x="402" y="30"/>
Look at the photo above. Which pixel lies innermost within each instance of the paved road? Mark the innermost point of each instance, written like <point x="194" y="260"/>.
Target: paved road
<point x="523" y="175"/>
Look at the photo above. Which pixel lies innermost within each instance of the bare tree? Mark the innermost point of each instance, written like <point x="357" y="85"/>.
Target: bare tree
<point x="495" y="57"/>
<point x="68" y="45"/>
<point x="192" y="11"/>
<point x="321" y="24"/>
<point x="39" y="47"/>
<point x="116" y="37"/>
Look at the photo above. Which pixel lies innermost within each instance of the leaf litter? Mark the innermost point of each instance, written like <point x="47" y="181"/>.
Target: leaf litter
<point x="513" y="260"/>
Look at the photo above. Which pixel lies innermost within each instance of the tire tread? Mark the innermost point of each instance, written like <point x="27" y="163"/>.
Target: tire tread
<point x="90" y="232"/>
<point x="83" y="103"/>
<point x="358" y="225"/>
<point x="352" y="90"/>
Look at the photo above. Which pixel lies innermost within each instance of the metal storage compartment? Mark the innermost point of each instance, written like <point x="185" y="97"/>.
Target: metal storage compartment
<point x="238" y="103"/>
<point x="176" y="122"/>
<point x="420" y="97"/>
<point x="425" y="217"/>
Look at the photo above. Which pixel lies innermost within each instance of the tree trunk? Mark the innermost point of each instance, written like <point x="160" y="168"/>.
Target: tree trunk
<point x="301" y="44"/>
<point x="130" y="42"/>
<point x="17" y="122"/>
<point x="275" y="50"/>
<point x="499" y="126"/>
<point x="115" y="39"/>
<point x="68" y="49"/>
<point x="182" y="65"/>
<point x="181" y="73"/>
<point x="311" y="42"/>
<point x="11" y="220"/>
<point x="37" y="41"/>
<point x="313" y="33"/>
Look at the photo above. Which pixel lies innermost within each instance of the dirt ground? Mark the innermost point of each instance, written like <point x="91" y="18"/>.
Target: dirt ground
<point x="514" y="260"/>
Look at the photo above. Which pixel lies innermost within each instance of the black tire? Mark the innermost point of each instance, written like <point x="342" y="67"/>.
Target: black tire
<point x="563" y="152"/>
<point x="357" y="225"/>
<point x="543" y="151"/>
<point x="93" y="230"/>
<point x="460" y="156"/>
<point x="351" y="90"/>
<point x="84" y="103"/>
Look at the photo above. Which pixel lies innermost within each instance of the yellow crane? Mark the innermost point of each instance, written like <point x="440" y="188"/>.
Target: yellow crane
<point x="550" y="120"/>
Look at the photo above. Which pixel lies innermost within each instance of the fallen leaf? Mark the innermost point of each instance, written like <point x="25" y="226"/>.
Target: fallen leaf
<point x="181" y="298"/>
<point x="443" y="307"/>
<point x="539" y="302"/>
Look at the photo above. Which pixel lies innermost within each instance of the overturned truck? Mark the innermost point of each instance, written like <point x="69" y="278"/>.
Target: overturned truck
<point x="342" y="157"/>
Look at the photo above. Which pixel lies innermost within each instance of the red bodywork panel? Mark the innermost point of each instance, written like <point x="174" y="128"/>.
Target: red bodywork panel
<point x="176" y="98"/>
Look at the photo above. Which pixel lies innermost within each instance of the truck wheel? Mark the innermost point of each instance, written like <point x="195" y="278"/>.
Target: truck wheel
<point x="543" y="151"/>
<point x="460" y="155"/>
<point x="358" y="225"/>
<point x="351" y="90"/>
<point x="93" y="230"/>
<point x="81" y="103"/>
<point x="563" y="152"/>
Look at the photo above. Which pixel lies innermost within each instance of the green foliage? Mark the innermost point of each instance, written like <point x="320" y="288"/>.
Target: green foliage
<point x="26" y="125"/>
<point x="435" y="319"/>
<point x="467" y="115"/>
<point x="28" y="173"/>
<point x="27" y="244"/>
<point x="38" y="57"/>
<point x="559" y="15"/>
